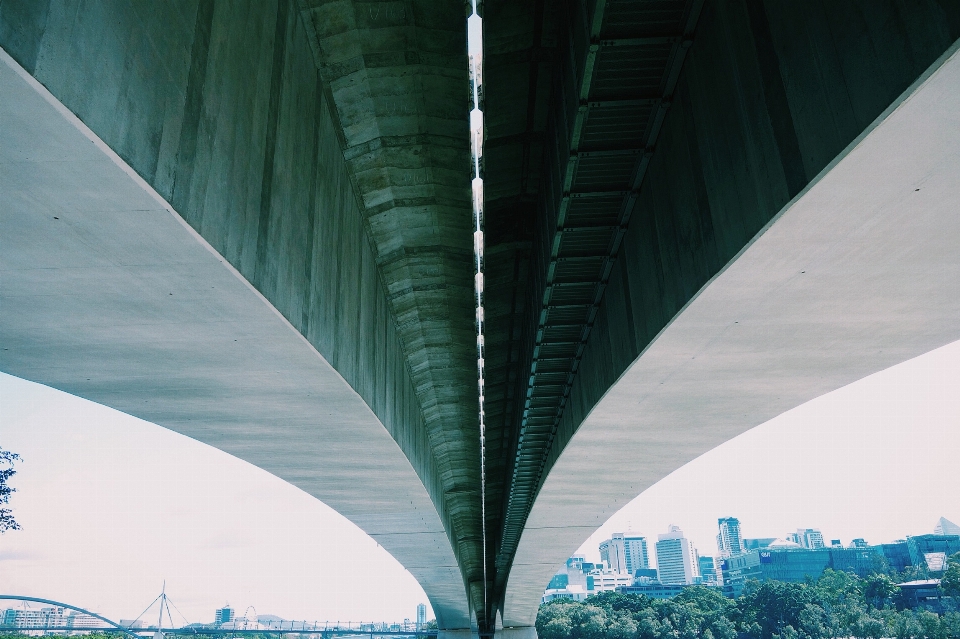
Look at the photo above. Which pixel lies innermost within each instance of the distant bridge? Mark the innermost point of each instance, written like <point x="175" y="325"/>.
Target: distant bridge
<point x="325" y="629"/>
<point x="326" y="632"/>
<point x="115" y="626"/>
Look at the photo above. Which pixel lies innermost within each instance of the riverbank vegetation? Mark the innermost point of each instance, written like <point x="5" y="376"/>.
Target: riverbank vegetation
<point x="837" y="605"/>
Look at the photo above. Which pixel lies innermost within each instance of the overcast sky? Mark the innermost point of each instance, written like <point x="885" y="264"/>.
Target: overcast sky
<point x="878" y="459"/>
<point x="111" y="505"/>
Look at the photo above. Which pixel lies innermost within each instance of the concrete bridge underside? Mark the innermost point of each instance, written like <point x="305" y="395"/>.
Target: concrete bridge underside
<point x="699" y="214"/>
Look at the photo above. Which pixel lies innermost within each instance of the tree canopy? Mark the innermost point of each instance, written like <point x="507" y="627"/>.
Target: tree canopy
<point x="839" y="604"/>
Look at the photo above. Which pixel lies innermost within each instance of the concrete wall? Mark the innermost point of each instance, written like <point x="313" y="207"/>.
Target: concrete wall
<point x="219" y="106"/>
<point x="771" y="92"/>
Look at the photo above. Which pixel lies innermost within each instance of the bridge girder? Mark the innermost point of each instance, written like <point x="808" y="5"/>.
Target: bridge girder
<point x="633" y="151"/>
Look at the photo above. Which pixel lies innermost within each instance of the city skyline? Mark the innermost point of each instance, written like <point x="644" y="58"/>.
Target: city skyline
<point x="797" y="539"/>
<point x="714" y="550"/>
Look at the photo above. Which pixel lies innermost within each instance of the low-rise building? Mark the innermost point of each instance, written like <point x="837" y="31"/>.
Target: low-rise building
<point x="571" y="593"/>
<point x="786" y="561"/>
<point x="655" y="590"/>
<point x="607" y="580"/>
<point x="923" y="593"/>
<point x="132" y="623"/>
<point x="223" y="615"/>
<point x="579" y="579"/>
<point x="645" y="576"/>
<point x="932" y="550"/>
<point x="709" y="573"/>
<point x="758" y="543"/>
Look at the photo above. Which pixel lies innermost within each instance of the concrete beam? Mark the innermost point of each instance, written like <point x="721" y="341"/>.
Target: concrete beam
<point x="397" y="76"/>
<point x="857" y="273"/>
<point x="220" y="109"/>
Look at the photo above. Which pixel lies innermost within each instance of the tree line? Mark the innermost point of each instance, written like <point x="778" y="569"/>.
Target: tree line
<point x="836" y="605"/>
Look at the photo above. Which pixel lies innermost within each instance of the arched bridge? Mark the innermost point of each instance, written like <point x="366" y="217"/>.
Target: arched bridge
<point x="251" y="222"/>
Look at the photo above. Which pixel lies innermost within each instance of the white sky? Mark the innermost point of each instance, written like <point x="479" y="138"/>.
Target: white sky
<point x="111" y="505"/>
<point x="878" y="459"/>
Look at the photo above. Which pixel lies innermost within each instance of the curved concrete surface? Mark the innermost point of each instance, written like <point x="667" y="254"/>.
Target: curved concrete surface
<point x="109" y="295"/>
<point x="322" y="148"/>
<point x="858" y="273"/>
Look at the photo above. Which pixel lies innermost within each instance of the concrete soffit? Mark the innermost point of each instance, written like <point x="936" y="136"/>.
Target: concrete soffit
<point x="408" y="158"/>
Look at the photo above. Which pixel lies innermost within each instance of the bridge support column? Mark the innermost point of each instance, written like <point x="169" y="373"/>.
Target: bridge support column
<point x="517" y="632"/>
<point x="462" y="633"/>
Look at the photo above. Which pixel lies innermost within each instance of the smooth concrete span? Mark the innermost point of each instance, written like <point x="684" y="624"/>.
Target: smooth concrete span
<point x="698" y="214"/>
<point x="858" y="273"/>
<point x="109" y="295"/>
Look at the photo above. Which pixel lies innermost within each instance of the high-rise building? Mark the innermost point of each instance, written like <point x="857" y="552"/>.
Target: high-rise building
<point x="676" y="558"/>
<point x="612" y="552"/>
<point x="810" y="538"/>
<point x="625" y="552"/>
<point x="635" y="552"/>
<point x="223" y="615"/>
<point x="946" y="527"/>
<point x="421" y="616"/>
<point x="729" y="541"/>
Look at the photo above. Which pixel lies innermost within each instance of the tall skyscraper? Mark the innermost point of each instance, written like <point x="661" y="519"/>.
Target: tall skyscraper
<point x="613" y="552"/>
<point x="635" y="552"/>
<point x="421" y="616"/>
<point x="677" y="560"/>
<point x="729" y="540"/>
<point x="625" y="552"/>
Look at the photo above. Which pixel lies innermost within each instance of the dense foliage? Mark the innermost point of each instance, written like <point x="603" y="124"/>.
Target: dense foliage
<point x="837" y="605"/>
<point x="7" y="522"/>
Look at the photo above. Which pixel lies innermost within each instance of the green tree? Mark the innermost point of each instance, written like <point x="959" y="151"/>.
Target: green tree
<point x="904" y="625"/>
<point x="7" y="459"/>
<point x="650" y="626"/>
<point x="776" y="605"/>
<point x="553" y="620"/>
<point x="815" y="623"/>
<point x="589" y="622"/>
<point x="836" y="588"/>
<point x="950" y="581"/>
<point x="878" y="589"/>
<point x="788" y="632"/>
<point x="950" y="624"/>
<point x="868" y="626"/>
<point x="930" y="622"/>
